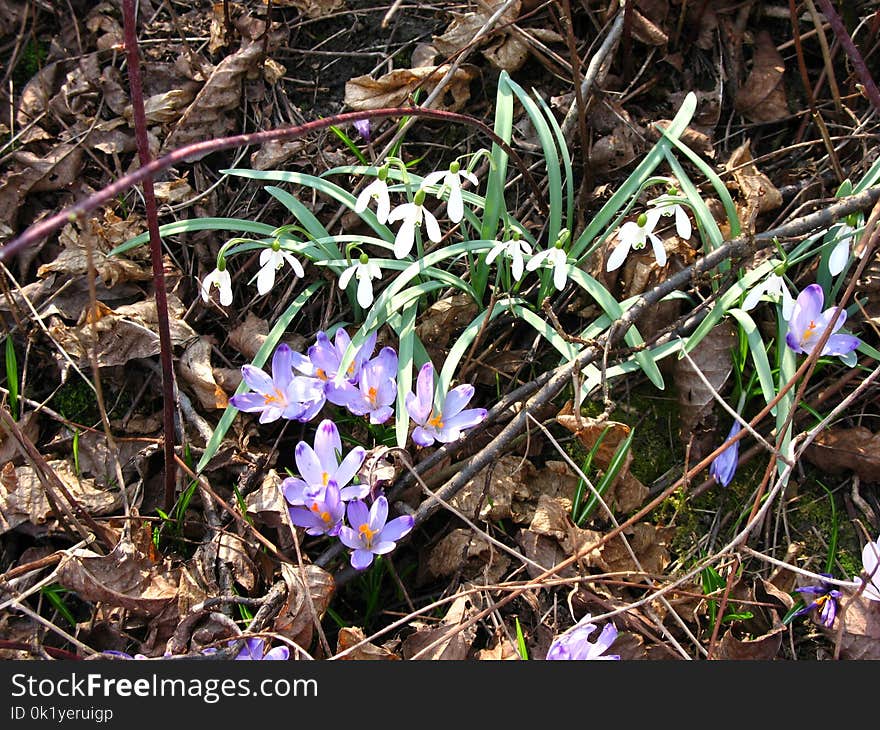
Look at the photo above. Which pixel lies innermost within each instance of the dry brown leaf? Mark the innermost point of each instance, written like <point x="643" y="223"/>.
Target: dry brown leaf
<point x="758" y="194"/>
<point x="589" y="430"/>
<point x="195" y="369"/>
<point x="501" y="648"/>
<point x="649" y="544"/>
<point x="29" y="423"/>
<point x="267" y="503"/>
<point x="124" y="334"/>
<point x="126" y="578"/>
<point x="762" y="97"/>
<point x="296" y="620"/>
<point x="213" y="111"/>
<point x="23" y="497"/>
<point x="164" y="108"/>
<point x="464" y="553"/>
<point x="31" y="173"/>
<point x="271" y="155"/>
<point x="233" y="550"/>
<point x="836" y="450"/>
<point x="455" y="644"/>
<point x="736" y="646"/>
<point x="646" y="31"/>
<point x="444" y="318"/>
<point x="173" y="191"/>
<point x="101" y="236"/>
<point x="249" y="336"/>
<point x="350" y="636"/>
<point x="363" y="93"/>
<point x="696" y="403"/>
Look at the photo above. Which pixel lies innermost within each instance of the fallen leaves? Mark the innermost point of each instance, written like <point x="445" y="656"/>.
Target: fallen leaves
<point x="838" y="450"/>
<point x="762" y="97"/>
<point x="396" y="87"/>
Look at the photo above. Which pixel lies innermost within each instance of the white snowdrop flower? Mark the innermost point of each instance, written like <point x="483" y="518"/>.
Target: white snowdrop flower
<point x="272" y="259"/>
<point x="773" y="287"/>
<point x="365" y="271"/>
<point x="840" y="253"/>
<point x="513" y="248"/>
<point x="412" y="216"/>
<point x="635" y="234"/>
<point x="452" y="180"/>
<point x="223" y="281"/>
<point x="668" y="208"/>
<point x="555" y="257"/>
<point x="378" y="191"/>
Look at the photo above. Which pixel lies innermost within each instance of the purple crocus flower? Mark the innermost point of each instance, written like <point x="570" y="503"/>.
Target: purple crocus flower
<point x="826" y="598"/>
<point x="363" y="128"/>
<point x="376" y="389"/>
<point x="442" y="423"/>
<point x="724" y="465"/>
<point x="324" y="358"/>
<point x="322" y="511"/>
<point x="253" y="651"/>
<point x="320" y="466"/>
<point x="574" y="644"/>
<point x="283" y="395"/>
<point x="370" y="534"/>
<point x="808" y="322"/>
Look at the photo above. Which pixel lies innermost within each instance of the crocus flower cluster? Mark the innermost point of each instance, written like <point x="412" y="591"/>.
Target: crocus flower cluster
<point x="300" y="385"/>
<point x="574" y="644"/>
<point x="321" y="499"/>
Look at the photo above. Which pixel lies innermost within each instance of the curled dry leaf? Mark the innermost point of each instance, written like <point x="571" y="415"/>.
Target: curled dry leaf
<point x="649" y="544"/>
<point x="762" y="97"/>
<point x="126" y="578"/>
<point x="837" y="450"/>
<point x="296" y="620"/>
<point x="124" y="334"/>
<point x="233" y="550"/>
<point x="100" y="236"/>
<point x="249" y="336"/>
<point x="195" y="369"/>
<point x="453" y="643"/>
<point x="757" y="193"/>
<point x="267" y="503"/>
<point x="350" y="636"/>
<point x="466" y="554"/>
<point x="213" y="111"/>
<point x="23" y="497"/>
<point x="395" y="88"/>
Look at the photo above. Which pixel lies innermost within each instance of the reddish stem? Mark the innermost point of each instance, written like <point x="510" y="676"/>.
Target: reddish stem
<point x="165" y="347"/>
<point x="857" y="61"/>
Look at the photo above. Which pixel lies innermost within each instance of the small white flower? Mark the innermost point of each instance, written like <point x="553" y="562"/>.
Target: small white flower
<point x="555" y="257"/>
<point x="223" y="281"/>
<point x="378" y="191"/>
<point x="270" y="261"/>
<point x="774" y="287"/>
<point x="513" y="248"/>
<point x="682" y="222"/>
<point x="451" y="179"/>
<point x="412" y="216"/>
<point x="365" y="271"/>
<point x="870" y="555"/>
<point x="634" y="234"/>
<point x="840" y="253"/>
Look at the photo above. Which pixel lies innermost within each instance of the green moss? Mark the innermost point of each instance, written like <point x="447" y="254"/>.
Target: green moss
<point x="31" y="60"/>
<point x="76" y="401"/>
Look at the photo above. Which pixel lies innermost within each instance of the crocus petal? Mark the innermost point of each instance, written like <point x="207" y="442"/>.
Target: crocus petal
<point x="605" y="639"/>
<point x="378" y="513"/>
<point x="279" y="653"/>
<point x="308" y="464"/>
<point x="282" y="367"/>
<point x="350" y="538"/>
<point x="807" y="308"/>
<point x="456" y="399"/>
<point x="466" y="419"/>
<point x="358" y="514"/>
<point x="361" y="559"/>
<point x="345" y="472"/>
<point x="840" y="345"/>
<point x="248" y="402"/>
<point x="420" y="406"/>
<point x="257" y="379"/>
<point x="421" y="437"/>
<point x="328" y="445"/>
<point x="293" y="490"/>
<point x="398" y="527"/>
